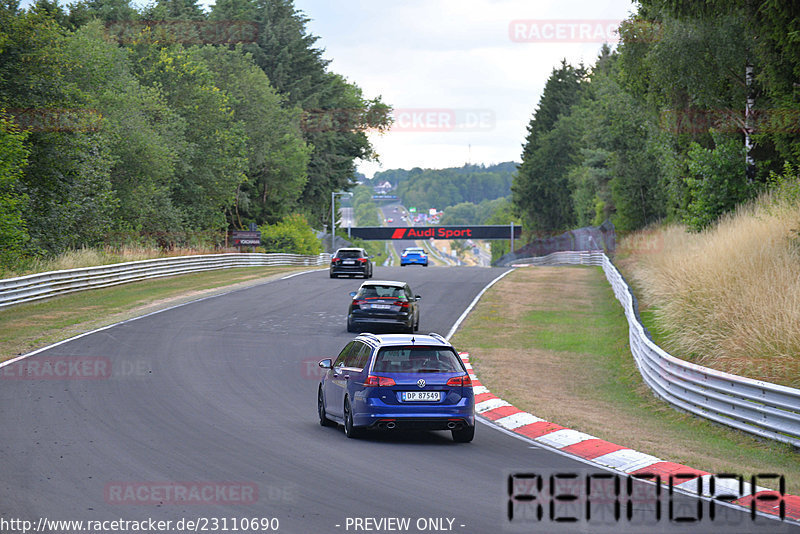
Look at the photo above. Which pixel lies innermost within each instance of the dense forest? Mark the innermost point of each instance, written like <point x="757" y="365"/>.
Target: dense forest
<point x="441" y="188"/>
<point x="168" y="122"/>
<point x="660" y="128"/>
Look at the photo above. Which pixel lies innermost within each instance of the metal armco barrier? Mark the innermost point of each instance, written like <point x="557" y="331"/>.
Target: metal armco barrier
<point x="761" y="408"/>
<point x="50" y="284"/>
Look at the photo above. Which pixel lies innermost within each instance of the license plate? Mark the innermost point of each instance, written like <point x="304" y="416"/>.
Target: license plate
<point x="424" y="396"/>
<point x="381" y="306"/>
<point x="348" y="262"/>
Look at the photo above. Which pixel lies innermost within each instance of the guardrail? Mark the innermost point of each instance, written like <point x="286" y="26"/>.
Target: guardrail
<point x="46" y="285"/>
<point x="441" y="255"/>
<point x="761" y="408"/>
<point x="563" y="258"/>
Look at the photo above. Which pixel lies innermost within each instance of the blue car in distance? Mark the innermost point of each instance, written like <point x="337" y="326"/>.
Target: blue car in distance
<point x="412" y="255"/>
<point x="394" y="382"/>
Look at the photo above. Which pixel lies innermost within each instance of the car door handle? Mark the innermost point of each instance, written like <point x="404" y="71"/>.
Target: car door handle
<point x="347" y="377"/>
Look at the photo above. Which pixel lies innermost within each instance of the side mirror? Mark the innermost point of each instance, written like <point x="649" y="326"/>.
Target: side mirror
<point x="352" y="293"/>
<point x="417" y="297"/>
<point x="327" y="363"/>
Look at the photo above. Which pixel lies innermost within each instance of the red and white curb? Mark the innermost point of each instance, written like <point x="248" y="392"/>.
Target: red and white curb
<point x="620" y="458"/>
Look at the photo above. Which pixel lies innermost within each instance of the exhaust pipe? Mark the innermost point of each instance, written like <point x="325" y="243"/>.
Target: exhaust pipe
<point x="390" y="425"/>
<point x="451" y="425"/>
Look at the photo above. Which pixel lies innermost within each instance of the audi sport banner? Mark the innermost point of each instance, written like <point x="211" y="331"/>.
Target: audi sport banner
<point x="435" y="232"/>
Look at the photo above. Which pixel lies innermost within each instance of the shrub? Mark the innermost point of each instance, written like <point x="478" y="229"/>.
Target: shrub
<point x="292" y="235"/>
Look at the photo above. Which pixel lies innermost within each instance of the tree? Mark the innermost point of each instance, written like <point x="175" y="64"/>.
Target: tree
<point x="276" y="152"/>
<point x="589" y="181"/>
<point x="540" y="190"/>
<point x="145" y="136"/>
<point x="67" y="179"/>
<point x="622" y="130"/>
<point x="338" y="114"/>
<point x="108" y="11"/>
<point x="441" y="188"/>
<point x="151" y="135"/>
<point x="503" y="214"/>
<point x="717" y="183"/>
<point x="215" y="159"/>
<point x="768" y="32"/>
<point x="13" y="158"/>
<point x="292" y="235"/>
<point x="167" y="10"/>
<point x="460" y="214"/>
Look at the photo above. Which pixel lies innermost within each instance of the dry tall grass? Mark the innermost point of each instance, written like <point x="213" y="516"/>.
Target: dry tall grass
<point x="729" y="297"/>
<point x="91" y="257"/>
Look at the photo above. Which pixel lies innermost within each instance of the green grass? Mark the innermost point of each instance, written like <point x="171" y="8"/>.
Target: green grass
<point x="28" y="326"/>
<point x="597" y="370"/>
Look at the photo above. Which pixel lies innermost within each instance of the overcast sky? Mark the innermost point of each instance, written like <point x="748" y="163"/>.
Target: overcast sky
<point x="464" y="76"/>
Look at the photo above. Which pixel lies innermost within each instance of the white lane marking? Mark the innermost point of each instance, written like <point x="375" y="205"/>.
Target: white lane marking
<point x="73" y="338"/>
<point x="472" y="305"/>
<point x="302" y="272"/>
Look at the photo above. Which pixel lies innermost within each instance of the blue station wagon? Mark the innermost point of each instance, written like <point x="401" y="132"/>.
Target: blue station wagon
<point x="397" y="381"/>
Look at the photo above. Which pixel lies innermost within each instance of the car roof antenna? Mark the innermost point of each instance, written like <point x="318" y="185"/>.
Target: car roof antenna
<point x="412" y="340"/>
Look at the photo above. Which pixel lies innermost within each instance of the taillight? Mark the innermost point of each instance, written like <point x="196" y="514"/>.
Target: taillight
<point x="373" y="380"/>
<point x="403" y="303"/>
<point x="357" y="303"/>
<point x="334" y="260"/>
<point x="464" y="380"/>
<point x="362" y="260"/>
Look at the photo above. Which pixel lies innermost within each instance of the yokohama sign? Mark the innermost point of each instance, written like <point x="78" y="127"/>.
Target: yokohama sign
<point x="435" y="232"/>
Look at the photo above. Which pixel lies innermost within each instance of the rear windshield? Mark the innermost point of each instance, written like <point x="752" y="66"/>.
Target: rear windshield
<point x="382" y="292"/>
<point x="417" y="359"/>
<point x="349" y="254"/>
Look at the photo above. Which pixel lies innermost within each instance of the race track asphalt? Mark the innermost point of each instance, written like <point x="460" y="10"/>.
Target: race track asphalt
<point x="221" y="394"/>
